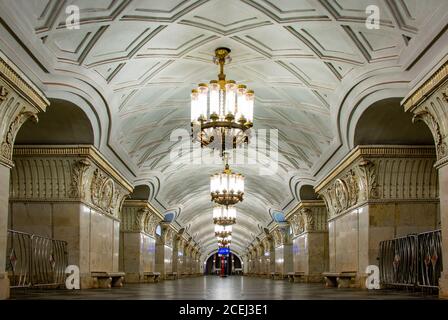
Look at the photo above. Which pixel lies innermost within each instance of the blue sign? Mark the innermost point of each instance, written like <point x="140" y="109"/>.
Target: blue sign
<point x="224" y="251"/>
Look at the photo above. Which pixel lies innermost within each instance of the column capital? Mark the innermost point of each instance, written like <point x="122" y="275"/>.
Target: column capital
<point x="84" y="175"/>
<point x="308" y="216"/>
<point x="139" y="216"/>
<point x="381" y="174"/>
<point x="20" y="100"/>
<point x="429" y="103"/>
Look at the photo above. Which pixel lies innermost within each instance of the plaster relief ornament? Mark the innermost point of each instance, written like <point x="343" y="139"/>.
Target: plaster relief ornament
<point x="341" y="195"/>
<point x="8" y="142"/>
<point x="425" y="116"/>
<point x="102" y="191"/>
<point x="3" y="93"/>
<point x="78" y="178"/>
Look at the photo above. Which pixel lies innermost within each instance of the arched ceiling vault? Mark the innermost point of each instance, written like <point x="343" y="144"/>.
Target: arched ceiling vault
<point x="142" y="58"/>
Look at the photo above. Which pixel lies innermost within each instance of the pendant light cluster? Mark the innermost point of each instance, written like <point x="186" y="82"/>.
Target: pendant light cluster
<point x="226" y="190"/>
<point x="221" y="118"/>
<point x="221" y="112"/>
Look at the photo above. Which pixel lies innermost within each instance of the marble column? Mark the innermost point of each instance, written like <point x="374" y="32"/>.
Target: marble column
<point x="175" y="257"/>
<point x="310" y="239"/>
<point x="268" y="256"/>
<point x="4" y="197"/>
<point x="283" y="250"/>
<point x="20" y="100"/>
<point x="139" y="221"/>
<point x="378" y="193"/>
<point x="429" y="103"/>
<point x="187" y="266"/>
<point x="180" y="257"/>
<point x="259" y="259"/>
<point x="164" y="250"/>
<point x="70" y="193"/>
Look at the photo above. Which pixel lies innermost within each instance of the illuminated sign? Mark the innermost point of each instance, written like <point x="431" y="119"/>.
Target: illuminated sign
<point x="224" y="251"/>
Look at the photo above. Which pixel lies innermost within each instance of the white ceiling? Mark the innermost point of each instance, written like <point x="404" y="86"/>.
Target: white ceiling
<point x="145" y="56"/>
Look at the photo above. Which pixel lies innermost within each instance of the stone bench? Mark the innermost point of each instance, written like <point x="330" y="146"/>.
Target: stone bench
<point x="276" y="276"/>
<point x="298" y="276"/>
<point x="151" y="276"/>
<point x="171" y="276"/>
<point x="103" y="279"/>
<point x="342" y="279"/>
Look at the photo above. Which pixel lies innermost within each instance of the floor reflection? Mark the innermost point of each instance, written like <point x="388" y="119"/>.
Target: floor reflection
<point x="217" y="288"/>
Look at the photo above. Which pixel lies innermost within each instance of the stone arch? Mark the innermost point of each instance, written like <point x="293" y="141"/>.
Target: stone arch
<point x="385" y="122"/>
<point x="141" y="192"/>
<point x="63" y="123"/>
<point x="306" y="192"/>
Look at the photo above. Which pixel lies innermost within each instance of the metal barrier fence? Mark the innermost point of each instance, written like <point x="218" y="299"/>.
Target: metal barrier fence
<point x="35" y="261"/>
<point x="412" y="261"/>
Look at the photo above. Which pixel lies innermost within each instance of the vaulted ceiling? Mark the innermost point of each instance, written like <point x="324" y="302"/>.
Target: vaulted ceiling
<point x="143" y="57"/>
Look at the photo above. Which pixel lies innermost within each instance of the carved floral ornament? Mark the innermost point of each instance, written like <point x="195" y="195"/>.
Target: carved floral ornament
<point x="21" y="100"/>
<point x="168" y="236"/>
<point x="355" y="185"/>
<point x="105" y="193"/>
<point x="136" y="219"/>
<point x="3" y="93"/>
<point x="81" y="177"/>
<point x="428" y="118"/>
<point x="302" y="221"/>
<point x="10" y="136"/>
<point x="280" y="236"/>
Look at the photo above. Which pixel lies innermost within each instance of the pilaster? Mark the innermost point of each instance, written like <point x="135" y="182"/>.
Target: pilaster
<point x="310" y="239"/>
<point x="20" y="100"/>
<point x="70" y="193"/>
<point x="139" y="221"/>
<point x="378" y="193"/>
<point x="429" y="103"/>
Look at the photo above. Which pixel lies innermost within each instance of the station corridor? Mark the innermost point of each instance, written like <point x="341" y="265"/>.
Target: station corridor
<point x="223" y="150"/>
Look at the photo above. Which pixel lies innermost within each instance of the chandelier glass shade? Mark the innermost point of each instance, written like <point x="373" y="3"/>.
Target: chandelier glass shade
<point x="223" y="231"/>
<point x="224" y="215"/>
<point x="221" y="112"/>
<point x="224" y="241"/>
<point x="227" y="188"/>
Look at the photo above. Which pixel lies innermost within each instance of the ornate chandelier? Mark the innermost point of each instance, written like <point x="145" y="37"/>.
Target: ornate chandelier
<point x="224" y="242"/>
<point x="224" y="216"/>
<point x="227" y="188"/>
<point x="223" y="231"/>
<point x="222" y="112"/>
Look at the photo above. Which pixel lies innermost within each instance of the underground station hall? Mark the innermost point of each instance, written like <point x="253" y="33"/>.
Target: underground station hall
<point x="208" y="150"/>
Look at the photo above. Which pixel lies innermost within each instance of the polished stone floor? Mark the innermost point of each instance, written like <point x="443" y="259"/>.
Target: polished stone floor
<point x="216" y="288"/>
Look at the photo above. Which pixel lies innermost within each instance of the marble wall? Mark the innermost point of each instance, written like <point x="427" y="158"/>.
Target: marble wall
<point x="138" y="255"/>
<point x="139" y="221"/>
<point x="428" y="102"/>
<point x="180" y="260"/>
<point x="284" y="259"/>
<point x="20" y="101"/>
<point x="70" y="193"/>
<point x="310" y="239"/>
<point x="92" y="238"/>
<point x="164" y="256"/>
<point x="4" y="197"/>
<point x="310" y="254"/>
<point x="378" y="193"/>
<point x="365" y="227"/>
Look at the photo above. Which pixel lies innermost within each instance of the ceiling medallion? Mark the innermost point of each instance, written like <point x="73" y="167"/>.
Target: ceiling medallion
<point x="221" y="112"/>
<point x="224" y="216"/>
<point x="227" y="188"/>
